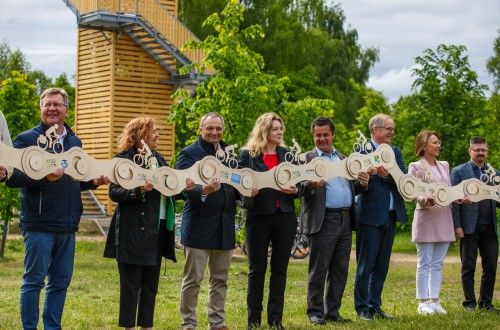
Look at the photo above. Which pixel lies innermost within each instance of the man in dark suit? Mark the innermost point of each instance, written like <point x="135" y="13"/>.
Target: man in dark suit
<point x="328" y="218"/>
<point x="207" y="230"/>
<point x="476" y="226"/>
<point x="378" y="207"/>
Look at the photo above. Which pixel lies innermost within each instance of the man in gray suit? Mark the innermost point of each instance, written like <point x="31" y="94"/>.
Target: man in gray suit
<point x="327" y="217"/>
<point x="476" y="226"/>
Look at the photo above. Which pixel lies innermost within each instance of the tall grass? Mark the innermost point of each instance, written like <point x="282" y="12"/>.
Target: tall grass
<point x="92" y="301"/>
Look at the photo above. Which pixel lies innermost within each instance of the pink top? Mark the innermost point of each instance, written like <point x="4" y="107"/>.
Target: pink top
<point x="432" y="224"/>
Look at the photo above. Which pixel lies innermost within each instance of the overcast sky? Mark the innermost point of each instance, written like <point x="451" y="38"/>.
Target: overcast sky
<point x="45" y="31"/>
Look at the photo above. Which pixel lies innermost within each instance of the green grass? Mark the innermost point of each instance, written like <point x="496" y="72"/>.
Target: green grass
<point x="92" y="301"/>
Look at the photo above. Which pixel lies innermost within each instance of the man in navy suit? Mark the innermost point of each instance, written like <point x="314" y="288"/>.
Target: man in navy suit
<point x="379" y="207"/>
<point x="207" y="230"/>
<point x="476" y="226"/>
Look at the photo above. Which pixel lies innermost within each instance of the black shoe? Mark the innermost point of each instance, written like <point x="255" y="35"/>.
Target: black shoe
<point x="337" y="318"/>
<point x="317" y="320"/>
<point x="377" y="312"/>
<point x="365" y="316"/>
<point x="277" y="326"/>
<point x="489" y="308"/>
<point x="253" y="326"/>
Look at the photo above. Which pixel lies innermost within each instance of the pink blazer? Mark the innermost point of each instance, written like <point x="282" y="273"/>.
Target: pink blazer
<point x="432" y="224"/>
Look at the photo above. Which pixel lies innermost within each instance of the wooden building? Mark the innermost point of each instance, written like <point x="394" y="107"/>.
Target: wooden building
<point x="129" y="53"/>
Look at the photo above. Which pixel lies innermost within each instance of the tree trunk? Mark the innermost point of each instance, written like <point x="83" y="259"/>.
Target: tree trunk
<point x="4" y="238"/>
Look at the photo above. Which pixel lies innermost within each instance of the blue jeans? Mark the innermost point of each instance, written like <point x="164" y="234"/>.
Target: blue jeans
<point x="48" y="255"/>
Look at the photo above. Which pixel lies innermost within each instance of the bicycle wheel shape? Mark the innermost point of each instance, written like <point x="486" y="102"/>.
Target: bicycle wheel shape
<point x="221" y="155"/>
<point x="232" y="163"/>
<point x="496" y="180"/>
<point x="42" y="142"/>
<point x="57" y="147"/>
<point x="357" y="147"/>
<point x="484" y="178"/>
<point x="289" y="156"/>
<point x="300" y="248"/>
<point x="138" y="159"/>
<point x="301" y="159"/>
<point x="368" y="148"/>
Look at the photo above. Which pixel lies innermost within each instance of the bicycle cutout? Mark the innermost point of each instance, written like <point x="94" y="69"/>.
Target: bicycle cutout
<point x="228" y="156"/>
<point x="295" y="154"/>
<point x="490" y="176"/>
<point x="362" y="145"/>
<point x="423" y="173"/>
<point x="50" y="141"/>
<point x="145" y="156"/>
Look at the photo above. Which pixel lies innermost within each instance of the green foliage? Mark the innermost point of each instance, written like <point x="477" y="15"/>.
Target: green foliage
<point x="493" y="64"/>
<point x="448" y="99"/>
<point x="239" y="91"/>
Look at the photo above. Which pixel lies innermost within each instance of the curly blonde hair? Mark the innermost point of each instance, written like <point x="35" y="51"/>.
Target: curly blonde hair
<point x="258" y="137"/>
<point x="136" y="130"/>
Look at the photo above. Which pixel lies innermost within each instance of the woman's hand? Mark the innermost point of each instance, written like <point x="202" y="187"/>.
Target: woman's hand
<point x="148" y="186"/>
<point x="189" y="185"/>
<point x="290" y="190"/>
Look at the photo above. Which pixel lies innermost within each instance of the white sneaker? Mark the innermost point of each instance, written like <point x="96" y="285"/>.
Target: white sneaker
<point x="439" y="309"/>
<point x="426" y="308"/>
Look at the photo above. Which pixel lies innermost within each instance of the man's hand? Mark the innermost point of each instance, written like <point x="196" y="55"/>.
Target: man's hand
<point x="212" y="187"/>
<point x="100" y="181"/>
<point x="316" y="184"/>
<point x="255" y="191"/>
<point x="382" y="171"/>
<point x="459" y="233"/>
<point x="56" y="175"/>
<point x="363" y="178"/>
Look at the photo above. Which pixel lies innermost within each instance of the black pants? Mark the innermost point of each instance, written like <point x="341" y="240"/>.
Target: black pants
<point x="485" y="240"/>
<point x="279" y="229"/>
<point x="330" y="251"/>
<point x="138" y="289"/>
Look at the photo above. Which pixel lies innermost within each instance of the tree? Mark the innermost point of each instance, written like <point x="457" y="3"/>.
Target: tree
<point x="21" y="112"/>
<point x="448" y="99"/>
<point x="493" y="64"/>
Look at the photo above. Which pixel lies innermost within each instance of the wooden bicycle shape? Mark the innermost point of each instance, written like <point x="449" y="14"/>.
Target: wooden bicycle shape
<point x="228" y="156"/>
<point x="50" y="141"/>
<point x="295" y="154"/>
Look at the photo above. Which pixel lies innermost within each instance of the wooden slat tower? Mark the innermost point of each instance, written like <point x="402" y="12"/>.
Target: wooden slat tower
<point x="128" y="57"/>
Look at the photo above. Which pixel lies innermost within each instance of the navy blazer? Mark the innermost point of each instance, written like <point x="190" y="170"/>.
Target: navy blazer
<point x="373" y="204"/>
<point x="465" y="215"/>
<point x="265" y="200"/>
<point x="314" y="202"/>
<point x="207" y="223"/>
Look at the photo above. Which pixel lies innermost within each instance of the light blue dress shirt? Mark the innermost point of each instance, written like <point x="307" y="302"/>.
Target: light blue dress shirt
<point x="338" y="189"/>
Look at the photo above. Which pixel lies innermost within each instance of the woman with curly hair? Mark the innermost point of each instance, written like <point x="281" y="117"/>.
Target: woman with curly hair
<point x="142" y="228"/>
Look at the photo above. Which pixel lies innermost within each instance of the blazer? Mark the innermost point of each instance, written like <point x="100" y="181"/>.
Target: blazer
<point x="265" y="200"/>
<point x="373" y="204"/>
<point x="313" y="207"/>
<point x="133" y="233"/>
<point x="465" y="215"/>
<point x="208" y="222"/>
<point x="432" y="224"/>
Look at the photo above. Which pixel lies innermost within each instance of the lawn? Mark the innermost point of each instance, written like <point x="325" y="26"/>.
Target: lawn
<point x="92" y="301"/>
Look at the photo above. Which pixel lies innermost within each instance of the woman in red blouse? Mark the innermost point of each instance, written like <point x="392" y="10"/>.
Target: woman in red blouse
<point x="272" y="219"/>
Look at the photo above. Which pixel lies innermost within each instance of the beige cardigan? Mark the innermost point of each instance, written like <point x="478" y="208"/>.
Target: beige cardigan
<point x="432" y="224"/>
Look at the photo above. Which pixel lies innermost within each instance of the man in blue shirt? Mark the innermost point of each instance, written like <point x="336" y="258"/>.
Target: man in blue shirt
<point x="328" y="218"/>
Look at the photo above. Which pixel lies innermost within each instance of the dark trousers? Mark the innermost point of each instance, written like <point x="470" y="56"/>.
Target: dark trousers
<point x="330" y="250"/>
<point x="279" y="229"/>
<point x="485" y="240"/>
<point x="373" y="254"/>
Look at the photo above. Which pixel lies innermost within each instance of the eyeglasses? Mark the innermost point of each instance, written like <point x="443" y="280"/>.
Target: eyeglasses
<point x="390" y="129"/>
<point x="55" y="105"/>
<point x="483" y="151"/>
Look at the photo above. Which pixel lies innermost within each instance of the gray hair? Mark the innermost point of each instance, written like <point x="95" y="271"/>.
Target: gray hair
<point x="378" y="121"/>
<point x="211" y="115"/>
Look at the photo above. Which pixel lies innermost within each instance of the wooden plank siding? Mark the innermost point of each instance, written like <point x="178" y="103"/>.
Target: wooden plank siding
<point x="117" y="82"/>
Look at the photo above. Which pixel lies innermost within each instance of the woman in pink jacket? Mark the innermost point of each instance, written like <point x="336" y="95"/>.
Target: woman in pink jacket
<point x="432" y="228"/>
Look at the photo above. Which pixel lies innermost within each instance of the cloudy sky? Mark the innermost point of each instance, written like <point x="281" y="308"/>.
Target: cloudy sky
<point x="45" y="31"/>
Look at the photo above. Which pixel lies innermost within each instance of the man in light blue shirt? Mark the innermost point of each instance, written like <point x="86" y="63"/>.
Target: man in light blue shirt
<point x="328" y="218"/>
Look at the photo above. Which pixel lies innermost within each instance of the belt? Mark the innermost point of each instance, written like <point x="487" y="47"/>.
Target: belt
<point x="342" y="210"/>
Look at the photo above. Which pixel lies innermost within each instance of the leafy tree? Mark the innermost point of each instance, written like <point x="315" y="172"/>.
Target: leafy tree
<point x="493" y="64"/>
<point x="21" y="112"/>
<point x="11" y="60"/>
<point x="240" y="91"/>
<point x="447" y="98"/>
